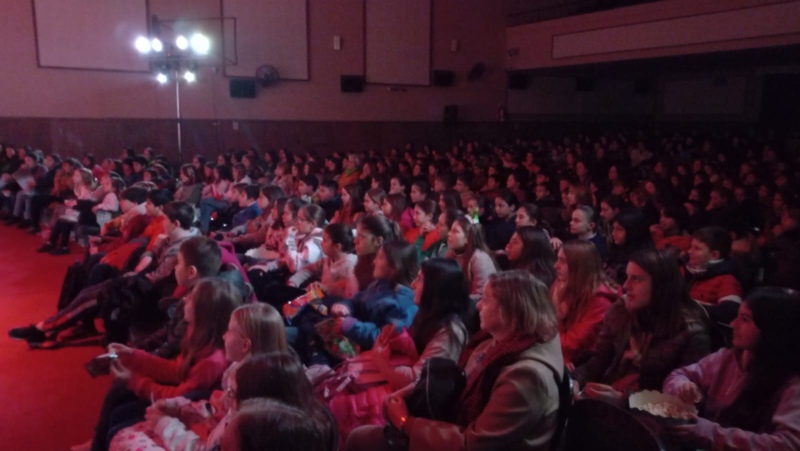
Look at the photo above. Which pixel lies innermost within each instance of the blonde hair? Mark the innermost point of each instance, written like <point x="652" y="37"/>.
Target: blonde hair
<point x="524" y="302"/>
<point x="263" y="325"/>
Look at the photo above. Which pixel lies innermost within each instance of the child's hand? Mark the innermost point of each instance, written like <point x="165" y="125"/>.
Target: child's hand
<point x="316" y="286"/>
<point x="120" y="372"/>
<point x="427" y="228"/>
<point x="340" y="310"/>
<point x="123" y="352"/>
<point x="689" y="393"/>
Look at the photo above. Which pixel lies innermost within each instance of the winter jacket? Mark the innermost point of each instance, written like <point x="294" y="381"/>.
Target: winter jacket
<point x="720" y="379"/>
<point x="716" y="284"/>
<point x="521" y="413"/>
<point x="380" y="304"/>
<point x="245" y="214"/>
<point x="662" y="355"/>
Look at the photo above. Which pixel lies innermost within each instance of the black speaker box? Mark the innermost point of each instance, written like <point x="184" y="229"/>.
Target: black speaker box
<point x="584" y="84"/>
<point x="517" y="81"/>
<point x="443" y="78"/>
<point x="242" y="88"/>
<point x="450" y="116"/>
<point x="642" y="86"/>
<point x="352" y="83"/>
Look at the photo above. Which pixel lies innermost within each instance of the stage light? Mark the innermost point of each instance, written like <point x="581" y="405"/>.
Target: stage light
<point x="181" y="42"/>
<point x="142" y="44"/>
<point x="162" y="78"/>
<point x="157" y="45"/>
<point x="189" y="76"/>
<point x="200" y="44"/>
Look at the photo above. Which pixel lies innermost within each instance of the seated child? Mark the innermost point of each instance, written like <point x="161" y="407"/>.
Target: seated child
<point x="711" y="274"/>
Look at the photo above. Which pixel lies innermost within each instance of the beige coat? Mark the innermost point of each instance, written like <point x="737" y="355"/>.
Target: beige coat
<point x="521" y="413"/>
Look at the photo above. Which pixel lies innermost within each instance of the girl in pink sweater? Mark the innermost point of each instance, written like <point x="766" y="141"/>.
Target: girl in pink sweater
<point x="142" y="378"/>
<point x="750" y="393"/>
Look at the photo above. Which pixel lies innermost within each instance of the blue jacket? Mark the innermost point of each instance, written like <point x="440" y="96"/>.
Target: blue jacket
<point x="246" y="214"/>
<point x="375" y="307"/>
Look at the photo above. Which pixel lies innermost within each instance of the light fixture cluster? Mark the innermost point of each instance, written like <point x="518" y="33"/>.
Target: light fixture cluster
<point x="186" y="71"/>
<point x="199" y="44"/>
<point x="178" y="58"/>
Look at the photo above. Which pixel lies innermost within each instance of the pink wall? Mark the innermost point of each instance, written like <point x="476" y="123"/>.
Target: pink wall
<point x="29" y="91"/>
<point x="664" y="28"/>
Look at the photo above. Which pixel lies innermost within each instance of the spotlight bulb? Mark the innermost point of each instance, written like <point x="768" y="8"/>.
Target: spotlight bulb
<point x="200" y="44"/>
<point x="190" y="76"/>
<point x="157" y="45"/>
<point x="181" y="42"/>
<point x="162" y="78"/>
<point x="142" y="44"/>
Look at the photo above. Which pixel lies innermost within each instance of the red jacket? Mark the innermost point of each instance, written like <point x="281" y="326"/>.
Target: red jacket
<point x="578" y="338"/>
<point x="160" y="378"/>
<point x="716" y="284"/>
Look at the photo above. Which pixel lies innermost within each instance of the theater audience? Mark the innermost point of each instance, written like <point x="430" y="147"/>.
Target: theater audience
<point x="253" y="329"/>
<point x="513" y="368"/>
<point x="749" y="393"/>
<point x="722" y="203"/>
<point x="653" y="329"/>
<point x="141" y="377"/>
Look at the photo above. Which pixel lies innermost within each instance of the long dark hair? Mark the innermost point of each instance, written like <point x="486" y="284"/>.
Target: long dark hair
<point x="776" y="313"/>
<point x="444" y="302"/>
<point x="403" y="260"/>
<point x="669" y="303"/>
<point x="537" y="255"/>
<point x="214" y="301"/>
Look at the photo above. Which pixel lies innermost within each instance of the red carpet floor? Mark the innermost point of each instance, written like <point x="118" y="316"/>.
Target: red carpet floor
<point x="48" y="400"/>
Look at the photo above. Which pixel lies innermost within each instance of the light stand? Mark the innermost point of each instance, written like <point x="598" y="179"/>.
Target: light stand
<point x="184" y="55"/>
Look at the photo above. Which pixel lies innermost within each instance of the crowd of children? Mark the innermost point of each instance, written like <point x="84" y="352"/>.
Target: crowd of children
<point x="629" y="261"/>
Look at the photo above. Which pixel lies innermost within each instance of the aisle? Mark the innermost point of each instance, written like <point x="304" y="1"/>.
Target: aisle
<point x="49" y="402"/>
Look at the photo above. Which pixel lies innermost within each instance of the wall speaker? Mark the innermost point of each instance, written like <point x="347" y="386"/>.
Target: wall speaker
<point x="517" y="81"/>
<point x="242" y="88"/>
<point x="352" y="83"/>
<point x="584" y="84"/>
<point x="450" y="115"/>
<point x="642" y="86"/>
<point x="443" y="78"/>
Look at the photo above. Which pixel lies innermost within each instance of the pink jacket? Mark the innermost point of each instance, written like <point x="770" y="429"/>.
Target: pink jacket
<point x="720" y="379"/>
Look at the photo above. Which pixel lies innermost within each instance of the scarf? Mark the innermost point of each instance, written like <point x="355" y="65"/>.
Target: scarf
<point x="479" y="383"/>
